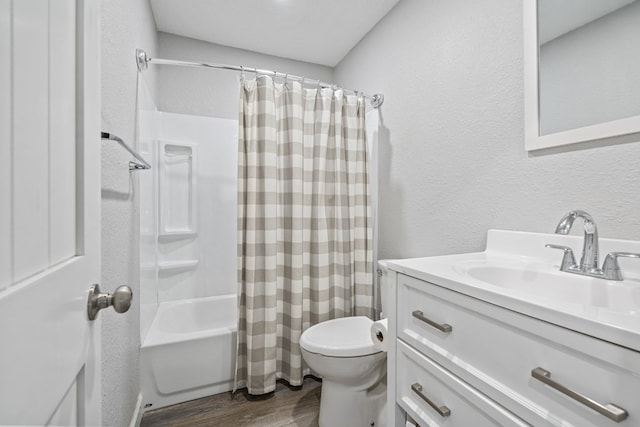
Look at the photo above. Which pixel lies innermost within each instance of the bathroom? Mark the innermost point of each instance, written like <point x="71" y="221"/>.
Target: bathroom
<point x="452" y="162"/>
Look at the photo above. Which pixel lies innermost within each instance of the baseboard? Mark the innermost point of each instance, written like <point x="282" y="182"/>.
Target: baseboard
<point x="137" y="413"/>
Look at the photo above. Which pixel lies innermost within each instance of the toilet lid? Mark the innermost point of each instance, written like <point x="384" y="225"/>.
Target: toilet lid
<point x="344" y="337"/>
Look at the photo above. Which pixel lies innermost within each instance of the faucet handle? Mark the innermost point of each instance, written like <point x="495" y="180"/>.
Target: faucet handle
<point x="611" y="268"/>
<point x="568" y="260"/>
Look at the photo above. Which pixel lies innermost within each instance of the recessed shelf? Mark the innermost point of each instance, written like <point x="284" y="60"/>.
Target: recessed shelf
<point x="177" y="266"/>
<point x="176" y="235"/>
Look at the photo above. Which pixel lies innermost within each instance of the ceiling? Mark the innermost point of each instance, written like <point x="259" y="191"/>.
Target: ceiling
<point x="556" y="18"/>
<point x="316" y="31"/>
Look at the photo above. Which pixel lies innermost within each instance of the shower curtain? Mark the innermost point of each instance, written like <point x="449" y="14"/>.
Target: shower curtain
<point x="304" y="223"/>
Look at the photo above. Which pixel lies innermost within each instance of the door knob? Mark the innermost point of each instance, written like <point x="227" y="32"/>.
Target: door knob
<point x="120" y="300"/>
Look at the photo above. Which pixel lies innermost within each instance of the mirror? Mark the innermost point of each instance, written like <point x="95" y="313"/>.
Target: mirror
<point x="582" y="70"/>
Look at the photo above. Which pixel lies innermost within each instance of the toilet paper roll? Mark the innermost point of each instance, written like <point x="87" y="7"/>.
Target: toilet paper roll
<point x="379" y="334"/>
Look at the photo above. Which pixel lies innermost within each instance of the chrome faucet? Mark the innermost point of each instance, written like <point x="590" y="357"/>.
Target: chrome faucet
<point x="589" y="262"/>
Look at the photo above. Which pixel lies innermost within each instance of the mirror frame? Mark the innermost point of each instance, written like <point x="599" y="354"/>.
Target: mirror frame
<point x="533" y="139"/>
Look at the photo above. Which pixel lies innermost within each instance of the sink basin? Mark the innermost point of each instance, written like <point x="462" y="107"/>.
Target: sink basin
<point x="563" y="288"/>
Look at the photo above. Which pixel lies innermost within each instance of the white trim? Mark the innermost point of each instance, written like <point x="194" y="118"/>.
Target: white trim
<point x="136" y="417"/>
<point x="530" y="36"/>
<point x="88" y="102"/>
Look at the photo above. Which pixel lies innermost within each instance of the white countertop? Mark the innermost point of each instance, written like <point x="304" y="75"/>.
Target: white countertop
<point x="589" y="313"/>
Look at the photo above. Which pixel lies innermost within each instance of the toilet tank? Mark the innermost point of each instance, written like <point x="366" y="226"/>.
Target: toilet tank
<point x="383" y="288"/>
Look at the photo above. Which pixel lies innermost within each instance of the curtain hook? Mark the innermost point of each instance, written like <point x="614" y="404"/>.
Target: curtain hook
<point x="241" y="71"/>
<point x="286" y="76"/>
<point x="302" y="81"/>
<point x="318" y="84"/>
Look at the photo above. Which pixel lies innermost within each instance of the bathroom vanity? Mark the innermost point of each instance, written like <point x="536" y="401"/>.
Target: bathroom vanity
<point x="502" y="337"/>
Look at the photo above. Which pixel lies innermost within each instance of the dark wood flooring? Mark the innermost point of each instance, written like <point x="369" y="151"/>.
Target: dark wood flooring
<point x="286" y="406"/>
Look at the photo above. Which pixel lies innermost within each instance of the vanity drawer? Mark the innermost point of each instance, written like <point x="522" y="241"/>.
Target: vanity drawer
<point x="496" y="351"/>
<point x="456" y="403"/>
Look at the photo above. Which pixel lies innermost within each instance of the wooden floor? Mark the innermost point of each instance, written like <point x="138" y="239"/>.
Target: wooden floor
<point x="287" y="406"/>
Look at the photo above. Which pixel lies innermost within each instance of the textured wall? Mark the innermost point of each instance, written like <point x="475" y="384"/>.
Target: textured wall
<point x="454" y="164"/>
<point x="126" y="24"/>
<point x="210" y="92"/>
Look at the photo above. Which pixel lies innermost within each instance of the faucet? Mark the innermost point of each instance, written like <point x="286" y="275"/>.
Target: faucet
<point x="589" y="260"/>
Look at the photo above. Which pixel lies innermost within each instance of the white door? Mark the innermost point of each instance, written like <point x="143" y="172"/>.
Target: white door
<point x="49" y="211"/>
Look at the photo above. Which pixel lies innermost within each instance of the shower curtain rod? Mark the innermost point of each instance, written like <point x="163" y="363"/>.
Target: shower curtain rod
<point x="143" y="61"/>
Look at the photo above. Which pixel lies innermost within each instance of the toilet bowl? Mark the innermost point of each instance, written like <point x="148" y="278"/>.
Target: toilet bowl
<point x="342" y="353"/>
<point x="352" y="367"/>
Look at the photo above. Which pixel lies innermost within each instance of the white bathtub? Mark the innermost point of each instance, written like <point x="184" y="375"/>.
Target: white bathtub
<point x="189" y="351"/>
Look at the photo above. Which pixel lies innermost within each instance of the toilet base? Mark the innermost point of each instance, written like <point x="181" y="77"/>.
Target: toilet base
<point x="346" y="406"/>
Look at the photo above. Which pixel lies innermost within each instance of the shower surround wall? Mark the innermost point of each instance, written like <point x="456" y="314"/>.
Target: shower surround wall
<point x="188" y="257"/>
<point x="188" y="209"/>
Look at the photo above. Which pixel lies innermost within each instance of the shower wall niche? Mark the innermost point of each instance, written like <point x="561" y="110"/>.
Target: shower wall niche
<point x="188" y="209"/>
<point x="178" y="244"/>
<point x="178" y="192"/>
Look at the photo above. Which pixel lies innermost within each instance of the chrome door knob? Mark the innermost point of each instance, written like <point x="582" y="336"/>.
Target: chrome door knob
<point x="120" y="300"/>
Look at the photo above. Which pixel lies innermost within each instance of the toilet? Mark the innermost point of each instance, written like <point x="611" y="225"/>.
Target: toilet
<point x="352" y="368"/>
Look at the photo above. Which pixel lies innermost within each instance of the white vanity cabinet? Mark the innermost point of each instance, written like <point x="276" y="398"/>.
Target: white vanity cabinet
<point x="457" y="360"/>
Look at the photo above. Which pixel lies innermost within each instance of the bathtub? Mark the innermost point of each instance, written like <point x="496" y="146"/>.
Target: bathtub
<point x="189" y="351"/>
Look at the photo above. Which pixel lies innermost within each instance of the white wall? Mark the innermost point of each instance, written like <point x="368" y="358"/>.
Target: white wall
<point x="210" y="92"/>
<point x="126" y="24"/>
<point x="592" y="74"/>
<point x="455" y="164"/>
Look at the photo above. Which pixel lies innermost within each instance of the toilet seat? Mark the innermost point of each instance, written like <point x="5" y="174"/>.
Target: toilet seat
<point x="343" y="337"/>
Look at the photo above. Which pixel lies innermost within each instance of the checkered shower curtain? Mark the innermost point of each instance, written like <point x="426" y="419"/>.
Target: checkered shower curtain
<point x="304" y="223"/>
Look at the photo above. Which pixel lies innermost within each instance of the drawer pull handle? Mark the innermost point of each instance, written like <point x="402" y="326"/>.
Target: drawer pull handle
<point x="609" y="410"/>
<point x="443" y="411"/>
<point x="441" y="327"/>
